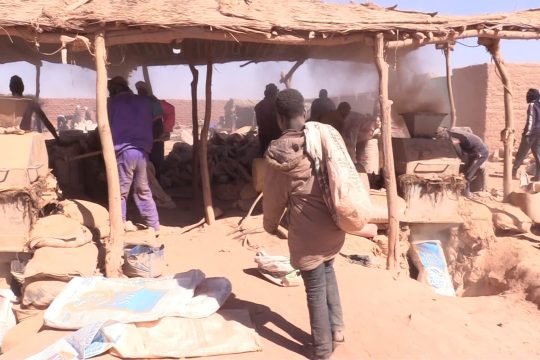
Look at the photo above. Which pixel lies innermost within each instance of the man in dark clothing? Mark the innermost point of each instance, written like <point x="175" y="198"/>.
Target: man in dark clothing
<point x="475" y="150"/>
<point x="532" y="97"/>
<point x="321" y="106"/>
<point x="337" y="117"/>
<point x="265" y="113"/>
<point x="314" y="239"/>
<point x="157" y="154"/>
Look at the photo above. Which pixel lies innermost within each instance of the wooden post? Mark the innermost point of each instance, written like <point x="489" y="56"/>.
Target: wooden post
<point x="146" y="77"/>
<point x="114" y="245"/>
<point x="195" y="125"/>
<point x="389" y="171"/>
<point x="205" y="176"/>
<point x="447" y="48"/>
<point x="507" y="135"/>
<point x="287" y="79"/>
<point x="38" y="80"/>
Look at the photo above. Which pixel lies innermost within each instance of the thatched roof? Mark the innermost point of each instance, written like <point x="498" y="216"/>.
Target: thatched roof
<point x="257" y="30"/>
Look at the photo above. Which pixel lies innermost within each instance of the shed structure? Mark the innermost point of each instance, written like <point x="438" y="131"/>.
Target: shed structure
<point x="115" y="35"/>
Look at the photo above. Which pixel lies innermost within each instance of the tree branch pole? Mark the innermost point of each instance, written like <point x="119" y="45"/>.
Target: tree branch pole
<point x="205" y="175"/>
<point x="287" y="79"/>
<point x="507" y="135"/>
<point x="114" y="245"/>
<point x="389" y="171"/>
<point x="453" y="117"/>
<point x="146" y="77"/>
<point x="195" y="125"/>
<point x="38" y="80"/>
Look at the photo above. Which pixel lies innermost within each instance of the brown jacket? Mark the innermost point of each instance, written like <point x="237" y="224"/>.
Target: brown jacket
<point x="291" y="183"/>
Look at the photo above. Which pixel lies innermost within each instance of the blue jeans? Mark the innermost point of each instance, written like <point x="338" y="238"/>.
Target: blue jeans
<point x="324" y="306"/>
<point x="132" y="171"/>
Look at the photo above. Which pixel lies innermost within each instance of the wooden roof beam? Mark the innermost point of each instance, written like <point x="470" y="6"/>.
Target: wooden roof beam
<point x="480" y="33"/>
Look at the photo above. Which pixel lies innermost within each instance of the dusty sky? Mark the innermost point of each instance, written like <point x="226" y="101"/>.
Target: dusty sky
<point x="231" y="81"/>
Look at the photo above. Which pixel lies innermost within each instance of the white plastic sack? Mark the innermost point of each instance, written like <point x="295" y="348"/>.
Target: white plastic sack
<point x="277" y="269"/>
<point x="210" y="295"/>
<point x="144" y="261"/>
<point x="429" y="259"/>
<point x="94" y="299"/>
<point x="227" y="332"/>
<point x="344" y="193"/>
<point x="7" y="317"/>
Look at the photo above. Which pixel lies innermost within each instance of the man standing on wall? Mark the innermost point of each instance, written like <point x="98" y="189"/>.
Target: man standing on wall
<point x="265" y="114"/>
<point x="532" y="97"/>
<point x="131" y="119"/>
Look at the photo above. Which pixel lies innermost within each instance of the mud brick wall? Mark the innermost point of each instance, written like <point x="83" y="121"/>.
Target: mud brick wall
<point x="56" y="106"/>
<point x="479" y="95"/>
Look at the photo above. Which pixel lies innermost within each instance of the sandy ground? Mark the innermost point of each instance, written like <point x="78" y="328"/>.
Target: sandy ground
<point x="387" y="317"/>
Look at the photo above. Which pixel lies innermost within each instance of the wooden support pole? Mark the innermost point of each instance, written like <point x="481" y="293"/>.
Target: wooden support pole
<point x="114" y="245"/>
<point x="146" y="77"/>
<point x="453" y="117"/>
<point x="203" y="151"/>
<point x="195" y="125"/>
<point x="389" y="171"/>
<point x="507" y="135"/>
<point x="38" y="80"/>
<point x="287" y="79"/>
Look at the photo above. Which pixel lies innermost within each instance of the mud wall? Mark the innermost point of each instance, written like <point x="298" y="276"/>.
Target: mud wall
<point x="470" y="93"/>
<point x="479" y="96"/>
<point x="524" y="76"/>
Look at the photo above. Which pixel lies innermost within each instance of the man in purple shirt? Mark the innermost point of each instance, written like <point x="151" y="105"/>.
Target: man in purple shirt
<point x="131" y="121"/>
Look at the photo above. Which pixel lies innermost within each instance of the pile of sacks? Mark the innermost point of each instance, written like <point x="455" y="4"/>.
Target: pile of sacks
<point x="229" y="159"/>
<point x="63" y="247"/>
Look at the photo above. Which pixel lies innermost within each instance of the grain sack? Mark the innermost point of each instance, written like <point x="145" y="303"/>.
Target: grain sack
<point x="62" y="263"/>
<point x="58" y="231"/>
<point x="343" y="191"/>
<point x="89" y="214"/>
<point x="86" y="301"/>
<point x="277" y="269"/>
<point x="40" y="293"/>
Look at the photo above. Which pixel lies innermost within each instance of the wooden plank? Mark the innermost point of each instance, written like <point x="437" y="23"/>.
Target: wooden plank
<point x="114" y="244"/>
<point x="205" y="175"/>
<point x="389" y="171"/>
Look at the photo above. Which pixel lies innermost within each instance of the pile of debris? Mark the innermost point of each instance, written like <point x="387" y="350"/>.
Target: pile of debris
<point x="229" y="159"/>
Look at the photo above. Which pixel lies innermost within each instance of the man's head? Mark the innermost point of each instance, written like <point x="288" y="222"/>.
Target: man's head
<point x="16" y="86"/>
<point x="142" y="88"/>
<point x="344" y="108"/>
<point x="533" y="95"/>
<point x="117" y="85"/>
<point x="323" y="94"/>
<point x="290" y="110"/>
<point x="271" y="90"/>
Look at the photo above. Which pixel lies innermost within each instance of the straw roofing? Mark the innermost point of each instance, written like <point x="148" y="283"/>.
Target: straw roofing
<point x="257" y="30"/>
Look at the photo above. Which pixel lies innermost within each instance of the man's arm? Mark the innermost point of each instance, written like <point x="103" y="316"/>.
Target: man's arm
<point x="276" y="188"/>
<point x="530" y="119"/>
